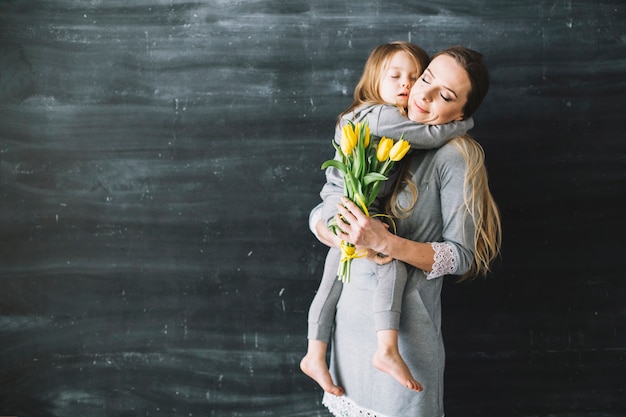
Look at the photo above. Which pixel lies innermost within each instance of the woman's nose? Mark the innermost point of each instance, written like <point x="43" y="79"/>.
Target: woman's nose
<point x="425" y="95"/>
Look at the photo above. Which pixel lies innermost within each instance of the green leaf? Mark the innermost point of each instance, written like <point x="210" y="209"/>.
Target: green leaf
<point x="334" y="163"/>
<point x="351" y="184"/>
<point x="373" y="176"/>
<point x="337" y="147"/>
<point x="373" y="193"/>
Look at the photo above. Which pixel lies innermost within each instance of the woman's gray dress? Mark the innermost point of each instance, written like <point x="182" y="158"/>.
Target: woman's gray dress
<point x="437" y="217"/>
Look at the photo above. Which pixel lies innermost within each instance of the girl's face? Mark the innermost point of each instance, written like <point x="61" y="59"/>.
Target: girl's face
<point x="440" y="94"/>
<point x="398" y="78"/>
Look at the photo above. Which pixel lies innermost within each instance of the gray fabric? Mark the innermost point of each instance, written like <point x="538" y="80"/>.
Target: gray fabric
<point x="322" y="309"/>
<point x="387" y="300"/>
<point x="387" y="303"/>
<point x="421" y="346"/>
<point x="386" y="120"/>
<point x="383" y="120"/>
<point x="438" y="216"/>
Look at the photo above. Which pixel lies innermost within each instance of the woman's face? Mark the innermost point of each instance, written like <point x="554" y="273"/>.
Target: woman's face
<point x="440" y="94"/>
<point x="398" y="78"/>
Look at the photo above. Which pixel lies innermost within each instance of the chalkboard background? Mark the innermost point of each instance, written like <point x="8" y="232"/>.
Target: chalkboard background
<point x="159" y="160"/>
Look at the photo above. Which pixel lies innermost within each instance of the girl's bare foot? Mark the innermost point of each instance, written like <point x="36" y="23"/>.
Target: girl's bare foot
<point x="318" y="371"/>
<point x="391" y="363"/>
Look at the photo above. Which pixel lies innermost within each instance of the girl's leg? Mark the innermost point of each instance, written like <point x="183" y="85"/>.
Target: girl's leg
<point x="322" y="310"/>
<point x="321" y="320"/>
<point x="314" y="365"/>
<point x="387" y="359"/>
<point x="387" y="307"/>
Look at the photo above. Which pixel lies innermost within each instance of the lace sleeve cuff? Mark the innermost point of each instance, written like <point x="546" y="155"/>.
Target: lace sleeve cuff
<point x="446" y="260"/>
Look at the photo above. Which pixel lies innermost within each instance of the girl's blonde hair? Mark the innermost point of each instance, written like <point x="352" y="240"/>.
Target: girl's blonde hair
<point x="367" y="90"/>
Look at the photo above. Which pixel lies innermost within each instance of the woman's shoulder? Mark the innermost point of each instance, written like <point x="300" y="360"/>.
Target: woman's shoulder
<point x="450" y="150"/>
<point x="459" y="145"/>
<point x="452" y="153"/>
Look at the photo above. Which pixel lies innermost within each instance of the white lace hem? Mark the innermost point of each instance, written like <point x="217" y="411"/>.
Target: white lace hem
<point x="345" y="407"/>
<point x="445" y="260"/>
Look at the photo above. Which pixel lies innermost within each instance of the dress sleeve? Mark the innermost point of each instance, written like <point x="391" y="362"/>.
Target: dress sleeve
<point x="332" y="191"/>
<point x="387" y="121"/>
<point x="454" y="254"/>
<point x="314" y="217"/>
<point x="331" y="194"/>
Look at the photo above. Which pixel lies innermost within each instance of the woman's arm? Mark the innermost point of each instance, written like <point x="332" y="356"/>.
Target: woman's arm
<point x="452" y="252"/>
<point x="364" y="231"/>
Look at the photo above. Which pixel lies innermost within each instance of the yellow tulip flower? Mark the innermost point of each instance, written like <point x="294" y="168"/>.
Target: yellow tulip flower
<point x="364" y="169"/>
<point x="348" y="139"/>
<point x="398" y="150"/>
<point x="384" y="146"/>
<point x="366" y="133"/>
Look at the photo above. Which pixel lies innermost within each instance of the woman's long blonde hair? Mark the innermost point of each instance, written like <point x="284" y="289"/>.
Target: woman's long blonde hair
<point x="478" y="201"/>
<point x="480" y="206"/>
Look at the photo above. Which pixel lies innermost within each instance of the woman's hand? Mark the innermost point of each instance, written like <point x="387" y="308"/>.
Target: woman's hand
<point x="361" y="230"/>
<point x="370" y="233"/>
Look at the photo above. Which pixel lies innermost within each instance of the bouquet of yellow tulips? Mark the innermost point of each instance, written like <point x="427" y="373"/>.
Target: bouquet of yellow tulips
<point x="364" y="166"/>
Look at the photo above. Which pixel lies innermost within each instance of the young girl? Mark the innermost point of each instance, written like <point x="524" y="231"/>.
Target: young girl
<point x="380" y="97"/>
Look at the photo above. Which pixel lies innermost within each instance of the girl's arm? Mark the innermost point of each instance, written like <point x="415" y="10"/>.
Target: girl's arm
<point x="331" y="193"/>
<point x="386" y="120"/>
<point x="320" y="230"/>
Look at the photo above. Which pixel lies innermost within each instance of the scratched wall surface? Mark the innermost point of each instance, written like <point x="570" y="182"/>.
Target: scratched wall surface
<point x="158" y="160"/>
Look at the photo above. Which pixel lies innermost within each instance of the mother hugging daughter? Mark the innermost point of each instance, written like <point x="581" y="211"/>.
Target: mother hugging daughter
<point x="447" y="224"/>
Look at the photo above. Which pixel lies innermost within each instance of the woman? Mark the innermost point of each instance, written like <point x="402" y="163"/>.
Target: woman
<point x="450" y="226"/>
<point x="380" y="98"/>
